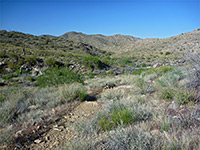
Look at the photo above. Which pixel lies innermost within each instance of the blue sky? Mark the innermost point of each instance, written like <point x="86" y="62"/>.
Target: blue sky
<point x="139" y="18"/>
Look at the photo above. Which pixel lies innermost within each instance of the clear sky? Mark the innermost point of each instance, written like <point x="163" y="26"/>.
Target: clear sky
<point x="139" y="18"/>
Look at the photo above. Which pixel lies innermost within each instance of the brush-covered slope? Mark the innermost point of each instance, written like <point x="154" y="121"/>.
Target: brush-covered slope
<point x="112" y="43"/>
<point x="181" y="44"/>
<point x="131" y="46"/>
<point x="17" y="41"/>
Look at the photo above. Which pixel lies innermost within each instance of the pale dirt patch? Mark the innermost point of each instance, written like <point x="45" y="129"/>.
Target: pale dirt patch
<point x="61" y="132"/>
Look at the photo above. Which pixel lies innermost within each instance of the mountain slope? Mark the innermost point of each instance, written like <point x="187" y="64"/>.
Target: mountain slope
<point x="112" y="43"/>
<point x="181" y="44"/>
<point x="185" y="42"/>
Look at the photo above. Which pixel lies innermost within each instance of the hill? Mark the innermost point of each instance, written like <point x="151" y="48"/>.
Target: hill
<point x="185" y="42"/>
<point x="110" y="43"/>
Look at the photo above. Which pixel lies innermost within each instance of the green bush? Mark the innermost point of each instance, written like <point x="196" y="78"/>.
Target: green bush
<point x="167" y="93"/>
<point x="55" y="76"/>
<point x="184" y="96"/>
<point x="144" y="87"/>
<point x="164" y="69"/>
<point x="92" y="61"/>
<point x="2" y="98"/>
<point x="50" y="62"/>
<point x="29" y="78"/>
<point x="13" y="66"/>
<point x="31" y="60"/>
<point x="13" y="55"/>
<point x="165" y="125"/>
<point x="2" y="54"/>
<point x="118" y="116"/>
<point x="178" y="95"/>
<point x="167" y="53"/>
<point x="72" y="92"/>
<point x="138" y="72"/>
<point x="91" y="75"/>
<point x="144" y="65"/>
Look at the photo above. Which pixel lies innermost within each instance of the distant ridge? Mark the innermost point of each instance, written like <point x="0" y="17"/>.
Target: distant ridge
<point x="111" y="43"/>
<point x="185" y="42"/>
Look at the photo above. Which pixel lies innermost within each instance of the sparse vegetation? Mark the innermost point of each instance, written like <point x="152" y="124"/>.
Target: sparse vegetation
<point x="50" y="62"/>
<point x="56" y="76"/>
<point x="95" y="99"/>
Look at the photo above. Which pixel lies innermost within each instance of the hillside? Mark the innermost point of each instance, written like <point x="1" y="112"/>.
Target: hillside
<point x="181" y="44"/>
<point x="185" y="42"/>
<point x="57" y="93"/>
<point x="113" y="43"/>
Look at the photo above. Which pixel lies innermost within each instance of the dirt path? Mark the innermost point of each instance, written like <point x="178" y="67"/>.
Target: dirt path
<point x="60" y="132"/>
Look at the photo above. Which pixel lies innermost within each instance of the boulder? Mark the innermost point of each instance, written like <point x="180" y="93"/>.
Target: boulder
<point x="173" y="105"/>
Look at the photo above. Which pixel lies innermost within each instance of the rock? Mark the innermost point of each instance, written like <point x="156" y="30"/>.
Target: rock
<point x="38" y="141"/>
<point x="36" y="72"/>
<point x="155" y="132"/>
<point x="18" y="133"/>
<point x="57" y="129"/>
<point x="55" y="126"/>
<point x="173" y="105"/>
<point x="47" y="138"/>
<point x="33" y="107"/>
<point x="157" y="65"/>
<point x="176" y="119"/>
<point x="196" y="114"/>
<point x="8" y="70"/>
<point x="2" y="63"/>
<point x="38" y="127"/>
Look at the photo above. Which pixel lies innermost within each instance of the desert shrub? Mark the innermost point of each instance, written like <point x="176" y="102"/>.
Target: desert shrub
<point x="112" y="95"/>
<point x="184" y="96"/>
<point x="66" y="93"/>
<point x="138" y="72"/>
<point x="167" y="53"/>
<point x="91" y="75"/>
<point x="29" y="78"/>
<point x="6" y="135"/>
<point x="131" y="139"/>
<point x="126" y="60"/>
<point x="117" y="116"/>
<point x="13" y="55"/>
<point x="114" y="114"/>
<point x="171" y="78"/>
<point x="45" y="53"/>
<point x="2" y="98"/>
<point x="11" y="108"/>
<point x="194" y="67"/>
<point x="51" y="61"/>
<point x="13" y="66"/>
<point x="2" y="54"/>
<point x="55" y="76"/>
<point x="148" y="72"/>
<point x="167" y="93"/>
<point x="164" y="69"/>
<point x="144" y="86"/>
<point x="73" y="92"/>
<point x="31" y="60"/>
<point x="144" y="65"/>
<point x="92" y="61"/>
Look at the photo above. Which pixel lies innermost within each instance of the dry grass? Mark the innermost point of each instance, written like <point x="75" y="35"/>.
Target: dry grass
<point x="175" y="129"/>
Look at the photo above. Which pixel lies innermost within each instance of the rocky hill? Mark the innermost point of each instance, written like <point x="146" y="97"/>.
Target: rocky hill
<point x="185" y="42"/>
<point x="111" y="43"/>
<point x="181" y="44"/>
